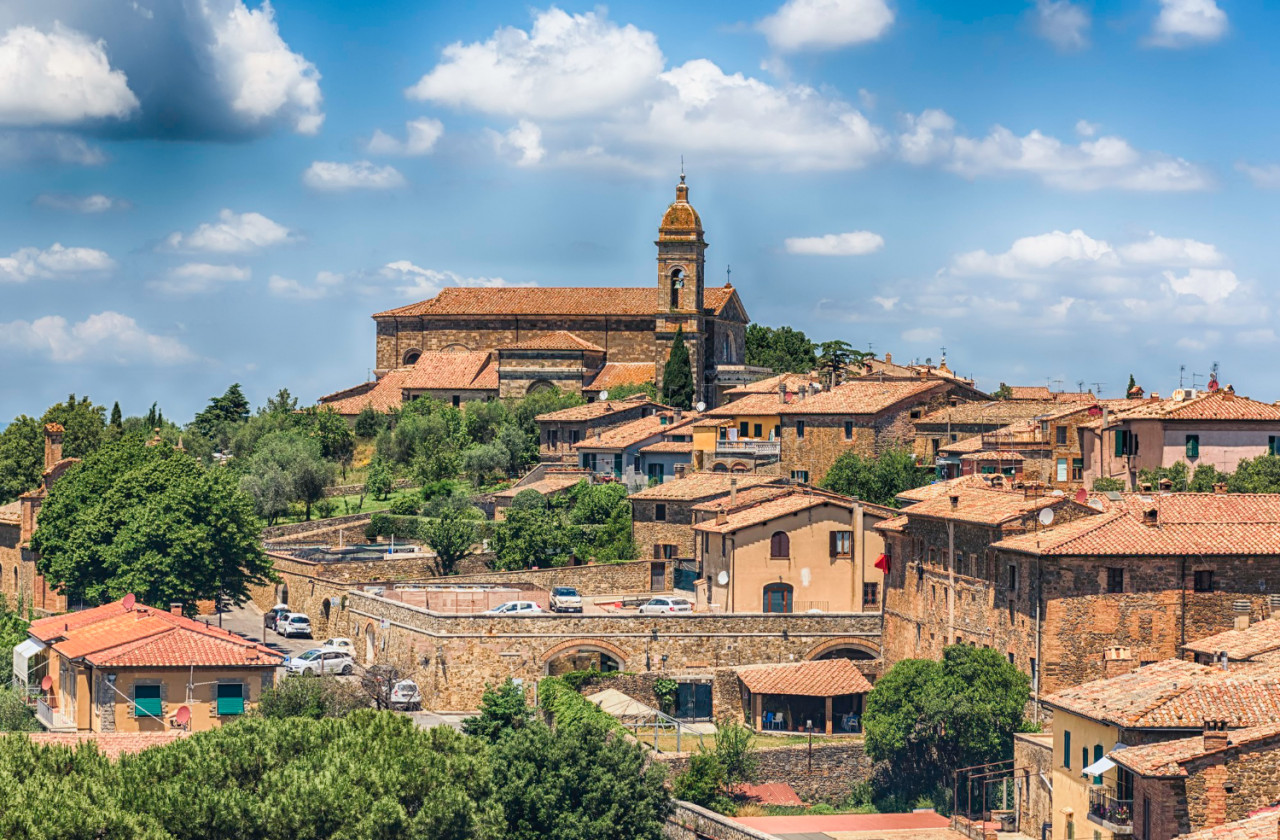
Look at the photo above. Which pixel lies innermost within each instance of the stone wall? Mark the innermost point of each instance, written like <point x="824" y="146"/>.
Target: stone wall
<point x="1226" y="786"/>
<point x="591" y="580"/>
<point x="693" y="822"/>
<point x="1167" y="801"/>
<point x="354" y="489"/>
<point x="726" y="689"/>
<point x="1033" y="775"/>
<point x="276" y="532"/>
<point x="453" y="657"/>
<point x="837" y="765"/>
<point x="676" y="529"/>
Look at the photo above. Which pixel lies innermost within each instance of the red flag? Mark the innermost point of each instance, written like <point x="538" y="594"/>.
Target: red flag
<point x="882" y="563"/>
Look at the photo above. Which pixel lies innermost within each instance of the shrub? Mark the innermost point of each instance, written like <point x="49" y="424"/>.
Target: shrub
<point x="326" y="508"/>
<point x="502" y="709"/>
<point x="736" y="750"/>
<point x="701" y="783"/>
<point x="665" y="690"/>
<point x="405" y="506"/>
<point x="310" y="697"/>
<point x="568" y="709"/>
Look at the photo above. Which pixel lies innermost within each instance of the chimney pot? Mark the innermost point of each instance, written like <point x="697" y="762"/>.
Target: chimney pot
<point x="722" y="518"/>
<point x="955" y="500"/>
<point x="733" y="491"/>
<point x="1151" y="517"/>
<point x="888" y="358"/>
<point x="1219" y="488"/>
<point x="1215" y="734"/>
<point x="176" y="608"/>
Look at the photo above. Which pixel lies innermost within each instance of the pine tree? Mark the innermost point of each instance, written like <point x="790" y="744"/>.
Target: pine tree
<point x="677" y="376"/>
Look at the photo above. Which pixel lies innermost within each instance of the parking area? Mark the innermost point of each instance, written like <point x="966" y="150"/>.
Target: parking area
<point x="474" y="600"/>
<point x="247" y="621"/>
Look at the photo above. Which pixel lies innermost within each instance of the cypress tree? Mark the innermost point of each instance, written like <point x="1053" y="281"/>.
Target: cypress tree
<point x="677" y="376"/>
<point x="117" y="419"/>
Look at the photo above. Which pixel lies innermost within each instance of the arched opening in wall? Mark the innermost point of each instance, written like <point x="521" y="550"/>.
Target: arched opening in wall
<point x="412" y="356"/>
<point x="326" y="607"/>
<point x="727" y="355"/>
<point x="368" y="644"/>
<point x="282" y="593"/>
<point x="719" y="468"/>
<point x="540" y="385"/>
<point x="845" y="650"/>
<point x="583" y="656"/>
<point x="778" y="598"/>
<point x="677" y="283"/>
<point x="740" y="467"/>
<point x="455" y="348"/>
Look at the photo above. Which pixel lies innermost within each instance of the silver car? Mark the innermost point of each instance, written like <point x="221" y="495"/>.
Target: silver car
<point x="320" y="661"/>
<point x="666" y="606"/>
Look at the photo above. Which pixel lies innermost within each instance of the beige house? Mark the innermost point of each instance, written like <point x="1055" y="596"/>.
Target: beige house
<point x="800" y="552"/>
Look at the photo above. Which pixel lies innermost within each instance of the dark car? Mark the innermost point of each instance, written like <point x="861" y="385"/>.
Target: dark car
<point x="270" y="616"/>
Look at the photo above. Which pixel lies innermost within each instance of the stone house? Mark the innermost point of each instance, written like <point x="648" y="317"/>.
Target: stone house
<point x="805" y="551"/>
<point x="20" y="582"/>
<point x="559" y="430"/>
<point x="662" y="516"/>
<point x="451" y="377"/>
<point x="1095" y="724"/>
<point x="123" y="667"/>
<point x="618" y="452"/>
<point x="791" y="382"/>
<point x="1210" y="780"/>
<point x="961" y="420"/>
<point x="1244" y="645"/>
<point x="550" y="483"/>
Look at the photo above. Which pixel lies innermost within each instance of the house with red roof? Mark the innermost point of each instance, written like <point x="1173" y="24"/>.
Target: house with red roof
<point x="124" y="667"/>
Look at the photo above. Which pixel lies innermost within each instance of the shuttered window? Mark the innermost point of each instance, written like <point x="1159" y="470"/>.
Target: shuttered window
<point x="841" y="543"/>
<point x="1193" y="446"/>
<point x="146" y="701"/>
<point x="779" y="545"/>
<point x="230" y="699"/>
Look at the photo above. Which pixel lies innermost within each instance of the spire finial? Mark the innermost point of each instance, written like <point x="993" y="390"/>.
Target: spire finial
<point x="682" y="169"/>
<point x="728" y="275"/>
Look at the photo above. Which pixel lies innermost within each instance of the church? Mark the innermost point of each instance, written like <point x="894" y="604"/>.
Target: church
<point x="481" y="343"/>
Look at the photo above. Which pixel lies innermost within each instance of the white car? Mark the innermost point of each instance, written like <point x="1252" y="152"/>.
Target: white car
<point x="339" y="643"/>
<point x="565" y="599"/>
<point x="294" y="624"/>
<point x="665" y="606"/>
<point x="405" y="695"/>
<point x="516" y="608"/>
<point x="320" y="661"/>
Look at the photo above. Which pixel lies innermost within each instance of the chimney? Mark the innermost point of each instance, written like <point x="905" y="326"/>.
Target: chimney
<point x="1242" y="608"/>
<point x="1166" y="485"/>
<point x="888" y="358"/>
<point x="782" y="392"/>
<point x="1229" y="394"/>
<point x="1117" y="660"/>
<point x="176" y="608"/>
<point x="680" y="468"/>
<point x="52" y="444"/>
<point x="1219" y="488"/>
<point x="1151" y="517"/>
<point x="679" y="414"/>
<point x="1215" y="735"/>
<point x="955" y="500"/>
<point x="722" y="518"/>
<point x="733" y="491"/>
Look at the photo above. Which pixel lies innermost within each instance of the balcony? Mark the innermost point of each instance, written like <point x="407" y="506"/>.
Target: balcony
<point x="752" y="448"/>
<point x="1115" y="815"/>
<point x="51" y="719"/>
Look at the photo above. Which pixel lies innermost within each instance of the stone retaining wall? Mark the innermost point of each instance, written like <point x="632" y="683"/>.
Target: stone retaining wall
<point x="693" y="822"/>
<point x="1033" y="756"/>
<point x="836" y="767"/>
<point x="353" y="489"/>
<point x="590" y="580"/>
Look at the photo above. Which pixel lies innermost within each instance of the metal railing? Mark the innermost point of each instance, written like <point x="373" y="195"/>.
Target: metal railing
<point x="748" y="447"/>
<point x="1114" y="814"/>
<point x="50" y="718"/>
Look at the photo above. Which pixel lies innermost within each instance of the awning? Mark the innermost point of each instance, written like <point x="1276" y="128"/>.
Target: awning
<point x="1103" y="764"/>
<point x="22" y="655"/>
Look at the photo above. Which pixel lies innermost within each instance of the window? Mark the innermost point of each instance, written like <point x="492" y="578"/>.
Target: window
<point x="1084" y="757"/>
<point x="779" y="545"/>
<point x="1010" y="655"/>
<point x="553" y="438"/>
<point x="146" y="701"/>
<point x="1115" y="580"/>
<point x="1204" y="580"/>
<point x="574" y="435"/>
<point x="1097" y="756"/>
<point x="841" y="543"/>
<point x="800" y="428"/>
<point x="1066" y="750"/>
<point x="706" y="543"/>
<point x="660" y="513"/>
<point x="848" y="432"/>
<point x="1060" y="435"/>
<point x="231" y="699"/>
<point x="870" y="595"/>
<point x="1193" y="446"/>
<point x="589" y="461"/>
<point x="669" y="552"/>
<point x="457" y="401"/>
<point x="656" y="472"/>
<point x="777" y="598"/>
<point x="1126" y="443"/>
<point x="1077" y="469"/>
<point x="801" y="476"/>
<point x="743" y="428"/>
<point x="1062" y="469"/>
<point x="1013" y="579"/>
<point x="759" y="430"/>
<point x="724" y="433"/>
<point x="1273" y="445"/>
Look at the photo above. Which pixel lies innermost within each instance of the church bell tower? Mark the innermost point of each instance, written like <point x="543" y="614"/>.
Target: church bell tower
<point x="681" y="273"/>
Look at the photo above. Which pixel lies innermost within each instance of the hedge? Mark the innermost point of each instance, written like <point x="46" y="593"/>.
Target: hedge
<point x="567" y="709"/>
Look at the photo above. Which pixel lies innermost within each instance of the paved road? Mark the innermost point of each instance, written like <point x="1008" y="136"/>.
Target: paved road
<point x="247" y="621"/>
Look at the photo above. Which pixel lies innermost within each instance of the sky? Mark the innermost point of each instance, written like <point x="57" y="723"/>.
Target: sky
<point x="201" y="192"/>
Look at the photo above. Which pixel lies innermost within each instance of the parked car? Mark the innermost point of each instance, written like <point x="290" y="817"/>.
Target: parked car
<point x="320" y="661"/>
<point x="271" y="616"/>
<point x="665" y="606"/>
<point x="565" y="599"/>
<point x="516" y="608"/>
<point x="294" y="624"/>
<point x="339" y="643"/>
<point x="405" y="695"/>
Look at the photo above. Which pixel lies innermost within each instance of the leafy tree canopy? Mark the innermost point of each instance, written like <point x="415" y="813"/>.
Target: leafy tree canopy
<point x="876" y="480"/>
<point x="781" y="349"/>
<point x="502" y="709"/>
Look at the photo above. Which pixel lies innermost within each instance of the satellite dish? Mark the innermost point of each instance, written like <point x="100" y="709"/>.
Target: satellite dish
<point x="701" y="406"/>
<point x="128" y="601"/>
<point x="1057" y="493"/>
<point x="1046" y="516"/>
<point x="722" y="579"/>
<point x="604" y="395"/>
<point x="46" y="683"/>
<point x="1096" y="504"/>
<point x="1082" y="495"/>
<point x="183" y="717"/>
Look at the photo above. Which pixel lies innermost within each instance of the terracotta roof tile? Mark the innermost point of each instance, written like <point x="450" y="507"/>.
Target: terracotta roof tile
<point x="1258" y="827"/>
<point x="747" y="496"/>
<point x="1216" y="405"/>
<point x="703" y="485"/>
<point x="982" y="506"/>
<point x="545" y="300"/>
<point x="897" y="524"/>
<point x="436" y="371"/>
<point x="1164" y="759"/>
<point x="669" y="447"/>
<point x="818" y="678"/>
<point x="960" y="447"/>
<point x="1258" y="638"/>
<point x="941" y="488"/>
<point x="596" y="410"/>
<point x="11" y="513"/>
<point x="616" y="374"/>
<point x="634" y="432"/>
<point x="551" y="483"/>
<point x="794" y="382"/>
<point x="769" y="510"/>
<point x="993" y="412"/>
<point x="856" y="397"/>
<point x="558" y="340"/>
<point x="110" y="744"/>
<point x="993" y="455"/>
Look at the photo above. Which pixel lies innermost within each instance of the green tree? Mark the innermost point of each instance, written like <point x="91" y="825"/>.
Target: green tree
<point x="621" y="392"/>
<point x="21" y="457"/>
<point x="15" y="714"/>
<point x="834" y="357"/>
<point x="603" y="515"/>
<point x="1107" y="484"/>
<point x="1205" y="477"/>
<point x="312" y="697"/>
<point x="1256" y="475"/>
<point x="876" y="480"/>
<point x="218" y="419"/>
<point x="370" y="422"/>
<point x="452" y="537"/>
<point x="287" y="467"/>
<point x="534" y="535"/>
<point x="117" y="418"/>
<point x="677" y="374"/>
<point x="151" y="521"/>
<point x="502" y="709"/>
<point x="1128" y="390"/>
<point x="736" y="752"/>
<point x="83" y="422"/>
<point x="1004" y="392"/>
<point x="1178" y="474"/>
<point x="783" y="350"/>
<point x="326" y="427"/>
<point x="13" y="631"/>
<point x="282" y="403"/>
<point x="378" y="482"/>
<point x="702" y="782"/>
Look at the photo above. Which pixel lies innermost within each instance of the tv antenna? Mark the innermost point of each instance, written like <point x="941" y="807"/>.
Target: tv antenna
<point x="1182" y="370"/>
<point x="1097" y="388"/>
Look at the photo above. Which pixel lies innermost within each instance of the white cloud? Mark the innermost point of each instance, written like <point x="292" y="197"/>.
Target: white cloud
<point x="1063" y="24"/>
<point x="1183" y="23"/>
<point x="1265" y="335"/>
<point x="261" y="77"/>
<point x="886" y="303"/>
<point x="420" y="139"/>
<point x="1093" y="164"/>
<point x="567" y="65"/>
<point x="1169" y="251"/>
<point x="825" y="24"/>
<point x="233" y="233"/>
<point x="59" y="77"/>
<point x="415" y="282"/>
<point x="1210" y="285"/>
<point x="1266" y="176"/>
<point x="54" y="262"/>
<point x="1034" y="256"/>
<point x="197" y="278"/>
<point x="361" y="175"/>
<point x="854" y="243"/>
<point x="1086" y="129"/>
<point x="922" y="334"/>
<point x="104" y="337"/>
<point x="326" y="283"/>
<point x="96" y="203"/>
<point x="27" y="147"/>
<point x="522" y="144"/>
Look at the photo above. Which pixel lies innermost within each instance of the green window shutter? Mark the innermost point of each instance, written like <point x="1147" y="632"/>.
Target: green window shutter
<point x="1066" y="749"/>
<point x="230" y="699"/>
<point x="1193" y="446"/>
<point x="1097" y="756"/>
<point x="1271" y="445"/>
<point x="146" y="701"/>
<point x="1120" y="435"/>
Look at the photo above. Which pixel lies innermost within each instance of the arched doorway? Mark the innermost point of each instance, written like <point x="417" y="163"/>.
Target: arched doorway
<point x="583" y="655"/>
<point x="779" y="598"/>
<point x="369" y="647"/>
<point x="859" y="650"/>
<point x="740" y="467"/>
<point x="720" y="467"/>
<point x="282" y="593"/>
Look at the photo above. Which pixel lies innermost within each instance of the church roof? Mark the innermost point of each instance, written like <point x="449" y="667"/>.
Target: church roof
<point x="614" y="374"/>
<point x="681" y="221"/>
<point x="558" y="340"/>
<point x="601" y="301"/>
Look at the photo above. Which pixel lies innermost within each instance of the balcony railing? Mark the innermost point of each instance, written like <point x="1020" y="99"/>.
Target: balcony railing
<point x="1115" y="815"/>
<point x="748" y="447"/>
<point x="50" y="718"/>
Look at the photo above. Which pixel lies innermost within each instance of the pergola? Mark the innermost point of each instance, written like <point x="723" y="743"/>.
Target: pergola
<point x="836" y="682"/>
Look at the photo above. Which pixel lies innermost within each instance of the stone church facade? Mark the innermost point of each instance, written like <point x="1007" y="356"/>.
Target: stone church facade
<point x="583" y="339"/>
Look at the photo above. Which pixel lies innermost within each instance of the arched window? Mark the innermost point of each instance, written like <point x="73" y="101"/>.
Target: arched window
<point x="677" y="283"/>
<point x="727" y="355"/>
<point x="777" y="598"/>
<point x="779" y="545"/>
<point x="412" y="356"/>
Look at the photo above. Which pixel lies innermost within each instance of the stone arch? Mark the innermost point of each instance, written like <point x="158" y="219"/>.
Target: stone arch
<point x="539" y="385"/>
<point x="411" y="356"/>
<point x="326" y="607"/>
<point x="844" y="647"/>
<point x="739" y="467"/>
<point x="282" y="593"/>
<point x="370" y="644"/>
<point x="581" y="645"/>
<point x="719" y="467"/>
<point x="455" y="348"/>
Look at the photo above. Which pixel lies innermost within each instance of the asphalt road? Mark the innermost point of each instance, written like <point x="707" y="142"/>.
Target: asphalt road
<point x="247" y="621"/>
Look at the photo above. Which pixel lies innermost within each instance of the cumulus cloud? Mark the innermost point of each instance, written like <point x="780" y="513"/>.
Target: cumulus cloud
<point x="89" y="204"/>
<point x="825" y="24"/>
<point x="417" y="283"/>
<point x="326" y="283"/>
<point x="1209" y="285"/>
<point x="1092" y="164"/>
<point x="852" y="244"/>
<point x="522" y="144"/>
<point x="420" y="139"/>
<point x="60" y="77"/>
<point x="1265" y="176"/>
<point x="233" y="233"/>
<point x="1183" y="23"/>
<point x="105" y="337"/>
<point x="54" y="262"/>
<point x="362" y="175"/>
<point x="1063" y="24"/>
<point x="566" y="65"/>
<point x="198" y="278"/>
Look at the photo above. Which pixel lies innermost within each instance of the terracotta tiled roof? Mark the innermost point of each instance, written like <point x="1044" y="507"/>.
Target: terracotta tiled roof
<point x="897" y="524"/>
<point x="1186" y="523"/>
<point x="770" y="793"/>
<point x="993" y="412"/>
<point x="110" y="744"/>
<point x="558" y="340"/>
<point x="548" y="300"/>
<point x="751" y="404"/>
<point x="1259" y="637"/>
<point x="551" y="483"/>
<point x="982" y="506"/>
<point x="769" y="510"/>
<point x="856" y="397"/>
<point x="994" y="455"/>
<point x="634" y="432"/>
<point x="1258" y="827"/>
<point x="1217" y="405"/>
<point x="818" y="678"/>
<point x="703" y="485"/>
<point x="669" y="447"/>
<point x="941" y="488"/>
<point x="960" y="447"/>
<point x="615" y="374"/>
<point x="1164" y="759"/>
<point x="596" y="410"/>
<point x="794" y="382"/>
<point x="11" y="513"/>
<point x="1174" y="694"/>
<point x="433" y="371"/>
<point x="748" y="496"/>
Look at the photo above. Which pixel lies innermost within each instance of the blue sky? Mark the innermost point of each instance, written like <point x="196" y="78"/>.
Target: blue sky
<point x="197" y="192"/>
